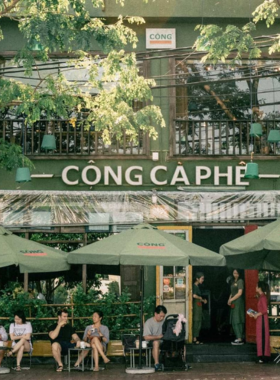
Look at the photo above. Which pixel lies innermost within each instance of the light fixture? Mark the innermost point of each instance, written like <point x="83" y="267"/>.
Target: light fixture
<point x="273" y="136"/>
<point x="48" y="142"/>
<point x="155" y="156"/>
<point x="154" y="197"/>
<point x="252" y="169"/>
<point x="23" y="175"/>
<point x="256" y="129"/>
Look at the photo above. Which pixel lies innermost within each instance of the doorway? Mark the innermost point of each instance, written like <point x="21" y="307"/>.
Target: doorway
<point x="216" y="287"/>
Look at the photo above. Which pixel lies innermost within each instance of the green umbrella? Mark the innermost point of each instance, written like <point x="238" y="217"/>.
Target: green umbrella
<point x="145" y="245"/>
<point x="31" y="257"/>
<point x="259" y="249"/>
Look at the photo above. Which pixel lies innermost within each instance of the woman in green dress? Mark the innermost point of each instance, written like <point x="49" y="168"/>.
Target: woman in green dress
<point x="197" y="306"/>
<point x="236" y="302"/>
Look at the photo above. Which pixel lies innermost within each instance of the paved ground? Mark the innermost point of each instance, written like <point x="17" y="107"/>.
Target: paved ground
<point x="199" y="371"/>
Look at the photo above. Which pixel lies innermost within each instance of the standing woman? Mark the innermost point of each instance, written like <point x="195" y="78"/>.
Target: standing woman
<point x="262" y="324"/>
<point x="20" y="333"/>
<point x="236" y="302"/>
<point x="197" y="306"/>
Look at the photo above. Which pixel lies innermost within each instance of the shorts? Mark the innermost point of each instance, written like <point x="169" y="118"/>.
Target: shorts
<point x="65" y="345"/>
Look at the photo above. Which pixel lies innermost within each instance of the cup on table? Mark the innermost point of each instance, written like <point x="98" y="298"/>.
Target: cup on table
<point x="1" y="343"/>
<point x="83" y="344"/>
<point x="144" y="344"/>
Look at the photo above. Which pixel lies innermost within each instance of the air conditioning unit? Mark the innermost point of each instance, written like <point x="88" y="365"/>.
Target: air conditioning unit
<point x="41" y="219"/>
<point x="98" y="222"/>
<point x="13" y="218"/>
<point x="123" y="218"/>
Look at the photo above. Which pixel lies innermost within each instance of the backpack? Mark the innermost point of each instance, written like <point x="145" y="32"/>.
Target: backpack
<point x="168" y="327"/>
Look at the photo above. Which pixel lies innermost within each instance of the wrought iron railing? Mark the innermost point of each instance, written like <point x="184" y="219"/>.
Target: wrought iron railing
<point x="222" y="138"/>
<point x="72" y="138"/>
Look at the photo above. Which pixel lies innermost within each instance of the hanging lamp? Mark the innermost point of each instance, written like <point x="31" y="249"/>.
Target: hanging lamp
<point x="252" y="169"/>
<point x="49" y="142"/>
<point x="23" y="175"/>
<point x="274" y="136"/>
<point x="256" y="129"/>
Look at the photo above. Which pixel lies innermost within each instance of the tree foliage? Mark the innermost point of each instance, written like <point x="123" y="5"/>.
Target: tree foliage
<point x="233" y="43"/>
<point x="67" y="26"/>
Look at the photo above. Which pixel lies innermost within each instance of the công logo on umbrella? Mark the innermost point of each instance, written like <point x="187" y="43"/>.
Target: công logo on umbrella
<point x="151" y="245"/>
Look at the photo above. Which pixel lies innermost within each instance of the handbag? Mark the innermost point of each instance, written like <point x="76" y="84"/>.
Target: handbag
<point x="128" y="341"/>
<point x="232" y="306"/>
<point x="199" y="303"/>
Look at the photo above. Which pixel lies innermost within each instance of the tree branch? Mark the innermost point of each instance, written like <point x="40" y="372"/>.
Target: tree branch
<point x="9" y="8"/>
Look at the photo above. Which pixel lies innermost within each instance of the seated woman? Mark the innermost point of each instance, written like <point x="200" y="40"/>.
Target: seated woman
<point x="97" y="337"/>
<point x="3" y="342"/>
<point x="20" y="333"/>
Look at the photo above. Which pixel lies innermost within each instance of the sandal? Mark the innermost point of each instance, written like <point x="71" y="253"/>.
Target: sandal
<point x="95" y="369"/>
<point x="197" y="342"/>
<point x="59" y="368"/>
<point x="18" y="368"/>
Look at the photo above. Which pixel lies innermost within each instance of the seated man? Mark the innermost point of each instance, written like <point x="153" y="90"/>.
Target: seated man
<point x="153" y="332"/>
<point x="61" y="334"/>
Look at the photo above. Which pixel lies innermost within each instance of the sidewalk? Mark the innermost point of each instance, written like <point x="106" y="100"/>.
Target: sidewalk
<point x="199" y="371"/>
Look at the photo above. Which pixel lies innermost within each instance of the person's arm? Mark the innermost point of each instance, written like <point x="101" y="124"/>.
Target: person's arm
<point x="237" y="295"/>
<point x="54" y="333"/>
<point x="104" y="335"/>
<point x="262" y="308"/>
<point x="75" y="337"/>
<point x="3" y="334"/>
<point x="152" y="337"/>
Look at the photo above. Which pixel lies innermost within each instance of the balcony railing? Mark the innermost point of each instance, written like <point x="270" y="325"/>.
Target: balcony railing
<point x="222" y="138"/>
<point x="76" y="140"/>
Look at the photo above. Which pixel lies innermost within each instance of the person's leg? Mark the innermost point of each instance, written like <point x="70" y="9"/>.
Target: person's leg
<point x="99" y="347"/>
<point x="1" y="356"/>
<point x="155" y="352"/>
<point x="196" y="329"/>
<point x="238" y="330"/>
<point x="56" y="351"/>
<point x="82" y="355"/>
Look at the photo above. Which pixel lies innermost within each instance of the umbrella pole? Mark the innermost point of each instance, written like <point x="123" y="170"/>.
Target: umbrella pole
<point x="140" y="369"/>
<point x="141" y="315"/>
<point x="25" y="282"/>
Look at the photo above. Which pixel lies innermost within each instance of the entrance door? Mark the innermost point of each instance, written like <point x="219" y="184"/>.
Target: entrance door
<point x="174" y="283"/>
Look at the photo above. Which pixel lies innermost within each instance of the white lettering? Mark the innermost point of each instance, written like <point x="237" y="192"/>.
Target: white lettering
<point x="153" y="175"/>
<point x="97" y="174"/>
<point x="116" y="177"/>
<point x="239" y="174"/>
<point x="180" y="171"/>
<point x="65" y="175"/>
<point x="138" y="177"/>
<point x="199" y="176"/>
<point x="217" y="175"/>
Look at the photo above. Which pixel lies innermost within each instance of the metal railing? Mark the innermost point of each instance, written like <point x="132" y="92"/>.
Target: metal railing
<point x="72" y="138"/>
<point x="222" y="138"/>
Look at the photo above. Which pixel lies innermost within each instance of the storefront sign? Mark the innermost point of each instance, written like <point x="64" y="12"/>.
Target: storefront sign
<point x="161" y="38"/>
<point x="92" y="175"/>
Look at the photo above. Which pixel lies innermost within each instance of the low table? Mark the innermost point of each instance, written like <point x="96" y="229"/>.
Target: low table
<point x="79" y="351"/>
<point x="148" y="354"/>
<point x="4" y="370"/>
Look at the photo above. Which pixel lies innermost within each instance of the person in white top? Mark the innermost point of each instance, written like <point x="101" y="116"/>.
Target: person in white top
<point x="20" y="333"/>
<point x="3" y="342"/>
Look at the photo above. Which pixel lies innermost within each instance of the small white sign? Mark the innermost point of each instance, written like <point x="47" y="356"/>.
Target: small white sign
<point x="161" y="38"/>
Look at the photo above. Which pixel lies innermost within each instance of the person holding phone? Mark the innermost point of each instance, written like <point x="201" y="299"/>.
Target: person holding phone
<point x="97" y="337"/>
<point x="262" y="323"/>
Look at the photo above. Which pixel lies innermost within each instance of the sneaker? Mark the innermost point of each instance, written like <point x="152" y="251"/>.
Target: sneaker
<point x="158" y="367"/>
<point x="237" y="342"/>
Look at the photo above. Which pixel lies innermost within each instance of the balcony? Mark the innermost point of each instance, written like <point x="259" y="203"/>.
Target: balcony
<point x="71" y="140"/>
<point x="222" y="138"/>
